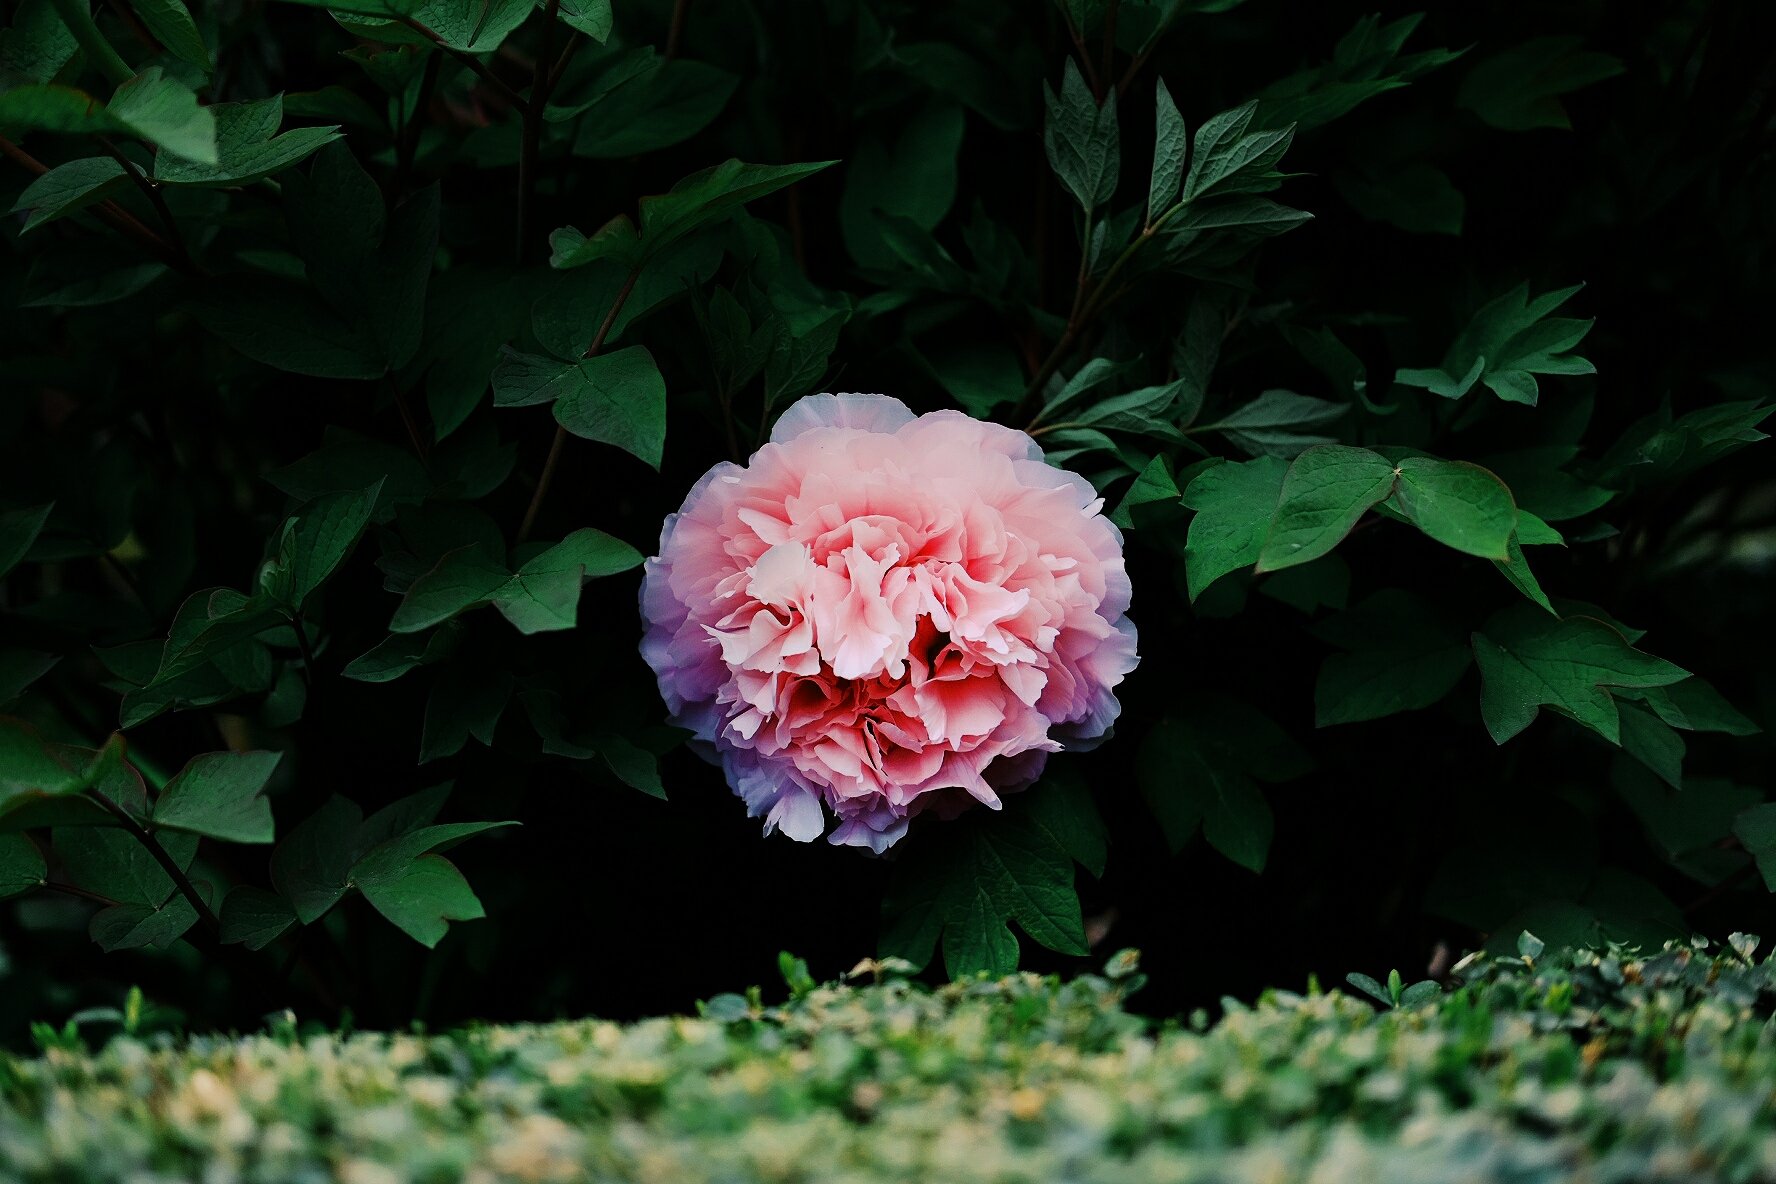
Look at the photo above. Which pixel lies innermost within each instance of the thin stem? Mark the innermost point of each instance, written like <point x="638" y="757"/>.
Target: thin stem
<point x="1085" y="58"/>
<point x="106" y="60"/>
<point x="468" y="59"/>
<point x="308" y="654"/>
<point x="675" y="31"/>
<point x="560" y="441"/>
<point x="167" y="864"/>
<point x="108" y="212"/>
<point x="532" y="135"/>
<point x="151" y="191"/>
<point x="1134" y="68"/>
<point x="1086" y="307"/>
<point x="1109" y="59"/>
<point x="82" y="893"/>
<point x="411" y="129"/>
<point x="410" y="422"/>
<point x="128" y="578"/>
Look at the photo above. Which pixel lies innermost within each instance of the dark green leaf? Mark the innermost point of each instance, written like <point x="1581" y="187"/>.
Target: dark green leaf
<point x="254" y="917"/>
<point x="21" y="865"/>
<point x="1234" y="505"/>
<point x="1529" y="660"/>
<point x="1171" y="143"/>
<point x="1081" y="140"/>
<point x="18" y="530"/>
<point x="1520" y="89"/>
<point x="132" y="926"/>
<point x="1327" y="489"/>
<point x="220" y="794"/>
<point x="1400" y="656"/>
<point x="1461" y="505"/>
<point x="248" y="147"/>
<point x="617" y="398"/>
<point x="713" y="194"/>
<point x="170" y="23"/>
<point x="1756" y="828"/>
<point x="69" y="188"/>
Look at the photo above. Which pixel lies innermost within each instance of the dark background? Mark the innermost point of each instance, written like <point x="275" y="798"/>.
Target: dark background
<point x="606" y="901"/>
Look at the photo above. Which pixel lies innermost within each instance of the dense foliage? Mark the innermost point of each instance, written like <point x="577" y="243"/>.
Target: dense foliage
<point x="1602" y="1066"/>
<point x="352" y="359"/>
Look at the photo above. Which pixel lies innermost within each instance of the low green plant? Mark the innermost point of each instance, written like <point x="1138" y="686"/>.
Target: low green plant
<point x="1604" y="1064"/>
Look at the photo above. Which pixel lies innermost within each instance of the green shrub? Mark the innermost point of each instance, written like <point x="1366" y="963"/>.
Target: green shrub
<point x="1599" y="1066"/>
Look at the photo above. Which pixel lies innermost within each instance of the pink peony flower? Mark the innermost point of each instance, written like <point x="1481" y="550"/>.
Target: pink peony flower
<point x="887" y="613"/>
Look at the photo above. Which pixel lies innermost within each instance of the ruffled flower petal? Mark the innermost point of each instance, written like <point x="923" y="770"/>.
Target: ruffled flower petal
<point x="883" y="614"/>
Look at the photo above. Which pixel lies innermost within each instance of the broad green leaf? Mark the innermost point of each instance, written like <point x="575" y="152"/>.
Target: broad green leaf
<point x="285" y="326"/>
<point x="399" y="653"/>
<point x="18" y="530"/>
<point x="254" y="917"/>
<point x="1259" y="215"/>
<point x="1459" y="504"/>
<point x="1529" y="660"/>
<point x="617" y="398"/>
<point x="1515" y="568"/>
<point x="372" y="267"/>
<point x="209" y="623"/>
<point x="19" y="669"/>
<point x="221" y="795"/>
<point x="1652" y="742"/>
<point x="21" y="865"/>
<point x="1228" y="159"/>
<point x="1399" y="655"/>
<point x="1366" y="62"/>
<point x="165" y="112"/>
<point x="1659" y="448"/>
<point x="1081" y="139"/>
<point x="1418" y="198"/>
<point x="417" y="890"/>
<point x="1505" y="345"/>
<point x="964" y="885"/>
<point x="170" y="23"/>
<point x="1171" y="143"/>
<point x="591" y="17"/>
<point x="1277" y="423"/>
<point x="664" y="105"/>
<point x="1061" y="807"/>
<point x="1756" y="829"/>
<point x="1234" y="504"/>
<point x="311" y="865"/>
<point x="1153" y="485"/>
<point x="1686" y="826"/>
<point x="422" y="897"/>
<point x="711" y="195"/>
<point x="114" y="863"/>
<point x="1695" y="706"/>
<point x="69" y="188"/>
<point x="1520" y="89"/>
<point x="798" y="360"/>
<point x="462" y="704"/>
<point x="248" y="147"/>
<point x="322" y="535"/>
<point x="1196" y="771"/>
<point x="132" y="926"/>
<point x="1327" y="489"/>
<point x="616" y="239"/>
<point x="461" y="580"/>
<point x="36" y="45"/>
<point x="911" y="175"/>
